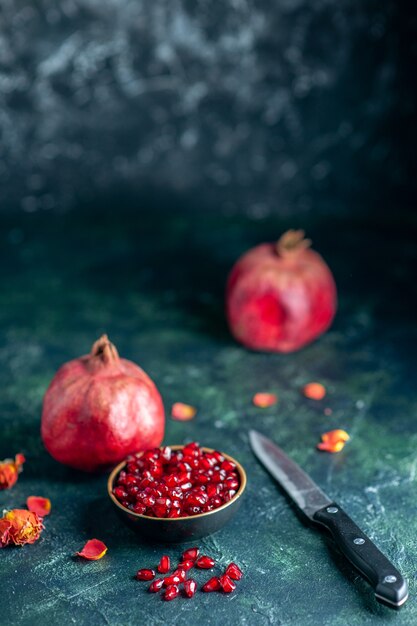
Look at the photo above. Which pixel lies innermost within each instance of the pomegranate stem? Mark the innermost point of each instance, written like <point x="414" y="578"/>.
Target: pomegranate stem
<point x="105" y="350"/>
<point x="292" y="242"/>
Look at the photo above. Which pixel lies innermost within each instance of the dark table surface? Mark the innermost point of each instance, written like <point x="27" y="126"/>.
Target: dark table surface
<point x="154" y="283"/>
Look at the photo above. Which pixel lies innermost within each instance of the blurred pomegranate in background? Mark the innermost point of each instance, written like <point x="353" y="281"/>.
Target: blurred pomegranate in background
<point x="280" y="296"/>
<point x="99" y="408"/>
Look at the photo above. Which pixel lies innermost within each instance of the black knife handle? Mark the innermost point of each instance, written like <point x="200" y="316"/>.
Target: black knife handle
<point x="389" y="586"/>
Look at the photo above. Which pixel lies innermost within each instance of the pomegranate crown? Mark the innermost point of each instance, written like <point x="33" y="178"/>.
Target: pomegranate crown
<point x="104" y="349"/>
<point x="292" y="242"/>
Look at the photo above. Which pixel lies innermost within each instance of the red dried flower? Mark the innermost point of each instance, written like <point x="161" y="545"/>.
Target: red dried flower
<point x="24" y="527"/>
<point x="9" y="471"/>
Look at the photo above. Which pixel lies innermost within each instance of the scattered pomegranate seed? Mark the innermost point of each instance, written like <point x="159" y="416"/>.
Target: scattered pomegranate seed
<point x="164" y="564"/>
<point x="186" y="565"/>
<point x="145" y="574"/>
<point x="212" y="584"/>
<point x="190" y="558"/>
<point x="171" y="592"/>
<point x="205" y="562"/>
<point x="190" y="554"/>
<point x="227" y="583"/>
<point x="156" y="585"/>
<point x="168" y="483"/>
<point x="190" y="587"/>
<point x="176" y="577"/>
<point x="233" y="571"/>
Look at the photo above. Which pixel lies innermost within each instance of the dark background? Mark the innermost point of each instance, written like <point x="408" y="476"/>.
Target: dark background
<point x="144" y="146"/>
<point x="245" y="106"/>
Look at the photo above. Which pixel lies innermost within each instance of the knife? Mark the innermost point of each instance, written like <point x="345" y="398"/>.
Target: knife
<point x="389" y="586"/>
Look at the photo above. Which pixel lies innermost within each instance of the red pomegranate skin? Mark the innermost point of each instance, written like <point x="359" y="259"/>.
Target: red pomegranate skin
<point x="280" y="296"/>
<point x="99" y="408"/>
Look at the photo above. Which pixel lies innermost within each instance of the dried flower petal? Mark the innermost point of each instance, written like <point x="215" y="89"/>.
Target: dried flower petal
<point x="314" y="391"/>
<point x="93" y="550"/>
<point x="5" y="526"/>
<point x="9" y="471"/>
<point x="183" y="412"/>
<point x="39" y="505"/>
<point x="25" y="526"/>
<point x="264" y="400"/>
<point x="333" y="441"/>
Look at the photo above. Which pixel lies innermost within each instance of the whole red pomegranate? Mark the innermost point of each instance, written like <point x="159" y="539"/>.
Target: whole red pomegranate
<point x="280" y="296"/>
<point x="99" y="408"/>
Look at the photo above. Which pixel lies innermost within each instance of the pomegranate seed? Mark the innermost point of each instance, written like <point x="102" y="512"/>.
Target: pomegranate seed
<point x="139" y="508"/>
<point x="156" y="585"/>
<point x="164" y="564"/>
<point x="145" y="574"/>
<point x="120" y="493"/>
<point x="190" y="554"/>
<point x="202" y="479"/>
<point x="171" y="480"/>
<point x="176" y="493"/>
<point x="171" y="484"/>
<point x="176" y="577"/>
<point x="166" y="453"/>
<point x="231" y="483"/>
<point x="160" y="511"/>
<point x="212" y="584"/>
<point x="194" y="510"/>
<point x="233" y="571"/>
<point x="121" y="478"/>
<point x="216" y="502"/>
<point x="196" y="499"/>
<point x="171" y="592"/>
<point x="211" y="491"/>
<point x="229" y="495"/>
<point x="227" y="583"/>
<point x="149" y="500"/>
<point x="186" y="565"/>
<point x="205" y="562"/>
<point x="145" y="482"/>
<point x="190" y="587"/>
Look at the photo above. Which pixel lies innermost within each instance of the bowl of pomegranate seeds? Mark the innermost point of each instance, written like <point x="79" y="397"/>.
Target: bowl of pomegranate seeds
<point x="177" y="493"/>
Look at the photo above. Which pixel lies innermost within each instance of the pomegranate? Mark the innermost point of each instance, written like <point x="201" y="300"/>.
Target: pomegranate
<point x="280" y="297"/>
<point x="99" y="408"/>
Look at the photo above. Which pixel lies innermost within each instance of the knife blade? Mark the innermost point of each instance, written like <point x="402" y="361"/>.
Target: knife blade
<point x="389" y="586"/>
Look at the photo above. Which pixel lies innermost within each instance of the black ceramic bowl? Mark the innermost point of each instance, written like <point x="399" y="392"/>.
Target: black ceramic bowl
<point x="180" y="528"/>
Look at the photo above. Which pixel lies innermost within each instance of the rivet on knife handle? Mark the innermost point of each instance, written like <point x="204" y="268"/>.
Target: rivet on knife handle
<point x="389" y="585"/>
